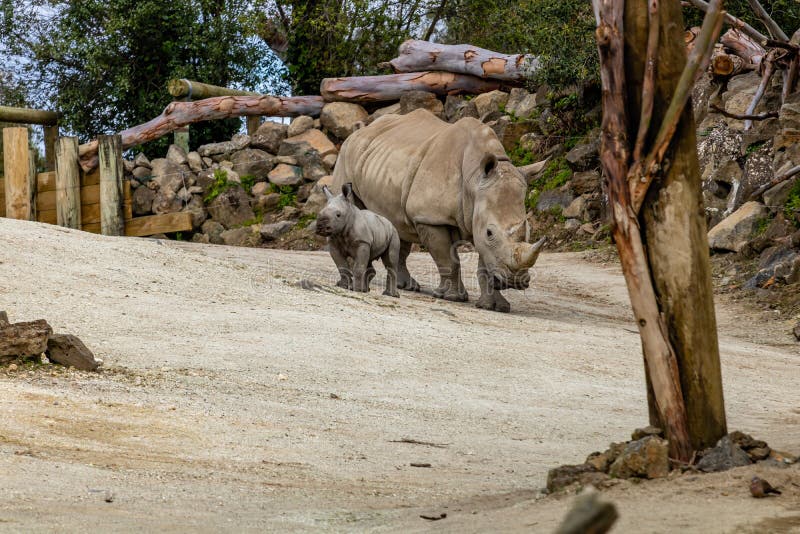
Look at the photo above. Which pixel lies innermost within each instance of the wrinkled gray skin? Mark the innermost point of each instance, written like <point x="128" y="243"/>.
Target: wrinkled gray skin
<point x="442" y="184"/>
<point x="356" y="238"/>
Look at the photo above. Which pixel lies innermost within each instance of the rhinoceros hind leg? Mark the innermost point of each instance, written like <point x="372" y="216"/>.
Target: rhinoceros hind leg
<point x="390" y="259"/>
<point x="438" y="241"/>
<point x="490" y="299"/>
<point x="404" y="279"/>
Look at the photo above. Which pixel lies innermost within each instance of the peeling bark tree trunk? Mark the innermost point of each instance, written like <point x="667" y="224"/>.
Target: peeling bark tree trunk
<point x="179" y="114"/>
<point x="674" y="226"/>
<point x="415" y="56"/>
<point x="393" y="86"/>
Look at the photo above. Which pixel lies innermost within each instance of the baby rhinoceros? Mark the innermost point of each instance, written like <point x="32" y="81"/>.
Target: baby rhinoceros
<point x="356" y="238"/>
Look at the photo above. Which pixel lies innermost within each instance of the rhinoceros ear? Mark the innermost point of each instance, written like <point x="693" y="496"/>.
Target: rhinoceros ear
<point x="489" y="163"/>
<point x="347" y="191"/>
<point x="327" y="192"/>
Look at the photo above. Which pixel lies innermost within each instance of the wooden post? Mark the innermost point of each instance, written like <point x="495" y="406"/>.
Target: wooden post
<point x="16" y="167"/>
<point x="181" y="138"/>
<point x="111" y="175"/>
<point x="32" y="173"/>
<point x="68" y="183"/>
<point x="50" y="135"/>
<point x="252" y="125"/>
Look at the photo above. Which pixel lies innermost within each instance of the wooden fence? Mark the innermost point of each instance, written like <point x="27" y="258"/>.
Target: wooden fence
<point x="97" y="202"/>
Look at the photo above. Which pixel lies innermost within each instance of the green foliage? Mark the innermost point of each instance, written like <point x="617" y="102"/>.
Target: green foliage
<point x="105" y="63"/>
<point x="762" y="224"/>
<point x="219" y="186"/>
<point x="785" y="12"/>
<point x="555" y="174"/>
<point x="306" y="219"/>
<point x="560" y="33"/>
<point x="521" y="156"/>
<point x="248" y="181"/>
<point x="792" y="207"/>
<point x="754" y="147"/>
<point x="288" y="195"/>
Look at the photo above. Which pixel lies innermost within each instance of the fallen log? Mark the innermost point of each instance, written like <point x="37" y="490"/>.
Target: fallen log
<point x="24" y="339"/>
<point x="179" y="114"/>
<point x="417" y="56"/>
<point x="724" y="64"/>
<point x="192" y="90"/>
<point x="744" y="46"/>
<point x="393" y="86"/>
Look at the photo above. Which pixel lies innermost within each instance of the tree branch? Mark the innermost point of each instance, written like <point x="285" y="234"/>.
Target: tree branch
<point x="769" y="22"/>
<point x="742" y="116"/>
<point x="648" y="86"/>
<point x="775" y="181"/>
<point x="734" y="22"/>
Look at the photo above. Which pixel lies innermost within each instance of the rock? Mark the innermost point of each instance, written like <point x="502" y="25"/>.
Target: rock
<point x="589" y="514"/>
<point x="231" y="208"/>
<point x="213" y="230"/>
<point x="300" y="125"/>
<point x="269" y="136"/>
<point x="24" y="339"/>
<point x="306" y="157"/>
<point x="141" y="160"/>
<point x="796" y="331"/>
<point x="194" y="161"/>
<point x="329" y="161"/>
<point x="394" y="109"/>
<point x="725" y="455"/>
<point x="775" y="198"/>
<point x="232" y="176"/>
<point x="166" y="201"/>
<point x="201" y="238"/>
<point x="205" y="178"/>
<point x="572" y="224"/>
<point x="289" y="212"/>
<point x="564" y="476"/>
<point x="268" y="202"/>
<point x="142" y="201"/>
<point x="757" y="172"/>
<point x="197" y="208"/>
<point x="286" y="175"/>
<point x="521" y="104"/>
<point x="253" y="162"/>
<point x="738" y="96"/>
<point x="553" y="198"/>
<point x="316" y="198"/>
<point x="237" y="142"/>
<point x="734" y="231"/>
<point x="717" y="147"/>
<point x="489" y="102"/>
<point x="585" y="182"/>
<point x="599" y="460"/>
<point x="643" y="458"/>
<point x="208" y="162"/>
<point x="342" y="118"/>
<point x="69" y="351"/>
<point x="127" y="166"/>
<point x="575" y="208"/>
<point x="315" y="138"/>
<point x="412" y="100"/>
<point x="453" y="104"/>
<point x="468" y="110"/>
<point x="509" y="131"/>
<point x="261" y="188"/>
<point x="165" y="175"/>
<point x="584" y="156"/>
<point x="246" y="236"/>
<point x="757" y="454"/>
<point x="304" y="191"/>
<point x="649" y="430"/>
<point x="142" y="173"/>
<point x="271" y="232"/>
<point x="176" y="155"/>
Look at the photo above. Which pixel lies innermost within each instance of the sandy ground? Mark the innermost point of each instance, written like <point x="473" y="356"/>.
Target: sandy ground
<point x="233" y="400"/>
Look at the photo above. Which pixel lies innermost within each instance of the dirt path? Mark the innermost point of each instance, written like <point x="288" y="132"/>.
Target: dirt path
<point x="234" y="400"/>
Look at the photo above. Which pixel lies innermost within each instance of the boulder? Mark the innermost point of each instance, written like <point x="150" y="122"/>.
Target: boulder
<point x="165" y="175"/>
<point x="237" y="142"/>
<point x="286" y="175"/>
<point x="315" y="138"/>
<point x="394" y="109"/>
<point x="553" y="198"/>
<point x="69" y="351"/>
<point x="775" y="198"/>
<point x="197" y="208"/>
<point x="268" y="202"/>
<point x="329" y="161"/>
<point x="757" y="172"/>
<point x="585" y="182"/>
<point x="738" y="96"/>
<point x="194" y="161"/>
<point x="271" y="232"/>
<point x="734" y="231"/>
<point x="509" y="131"/>
<point x="246" y="236"/>
<point x="142" y="174"/>
<point x="489" y="102"/>
<point x="176" y="155"/>
<point x="316" y="199"/>
<point x="412" y="100"/>
<point x="269" y="136"/>
<point x="205" y="178"/>
<point x="725" y="455"/>
<point x="342" y="118"/>
<point x="261" y="188"/>
<point x="231" y="208"/>
<point x="142" y="201"/>
<point x="575" y="208"/>
<point x="717" y="147"/>
<point x="213" y="230"/>
<point x="306" y="157"/>
<point x="141" y="160"/>
<point x="166" y="201"/>
<point x="521" y="104"/>
<point x="453" y="104"/>
<point x="584" y="156"/>
<point x="643" y="458"/>
<point x="253" y="162"/>
<point x="300" y="125"/>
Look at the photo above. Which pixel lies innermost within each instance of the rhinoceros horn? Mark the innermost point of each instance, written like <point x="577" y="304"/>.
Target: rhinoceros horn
<point x="528" y="254"/>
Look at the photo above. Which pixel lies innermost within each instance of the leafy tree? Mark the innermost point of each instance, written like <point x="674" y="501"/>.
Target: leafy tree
<point x="105" y="63"/>
<point x="785" y="12"/>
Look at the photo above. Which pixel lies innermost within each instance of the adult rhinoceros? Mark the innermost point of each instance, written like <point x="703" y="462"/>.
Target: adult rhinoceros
<point x="440" y="184"/>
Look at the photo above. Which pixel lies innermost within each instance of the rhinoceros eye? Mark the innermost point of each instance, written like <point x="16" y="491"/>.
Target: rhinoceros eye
<point x="489" y="233"/>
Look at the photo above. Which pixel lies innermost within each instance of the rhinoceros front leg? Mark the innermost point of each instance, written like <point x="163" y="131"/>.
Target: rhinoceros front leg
<point x="438" y="241"/>
<point x="343" y="266"/>
<point x="491" y="298"/>
<point x="404" y="279"/>
<point x="361" y="269"/>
